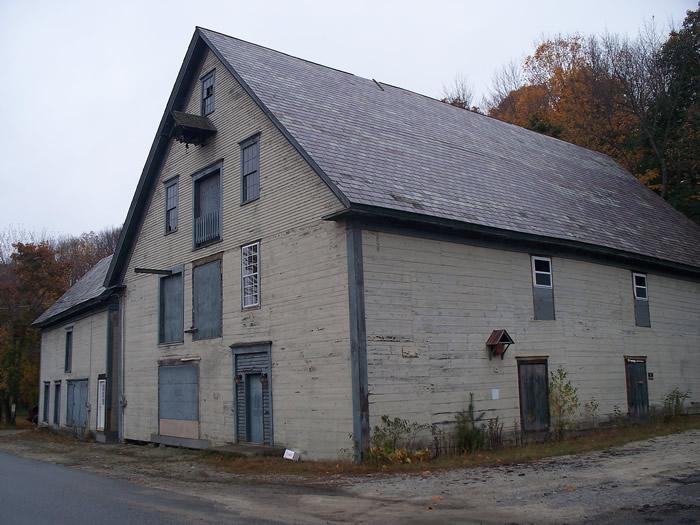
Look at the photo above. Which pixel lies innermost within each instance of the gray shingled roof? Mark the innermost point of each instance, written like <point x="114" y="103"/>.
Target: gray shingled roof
<point x="391" y="148"/>
<point x="90" y="286"/>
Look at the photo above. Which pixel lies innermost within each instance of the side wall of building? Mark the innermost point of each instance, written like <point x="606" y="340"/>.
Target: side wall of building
<point x="304" y="310"/>
<point x="432" y="304"/>
<point x="89" y="360"/>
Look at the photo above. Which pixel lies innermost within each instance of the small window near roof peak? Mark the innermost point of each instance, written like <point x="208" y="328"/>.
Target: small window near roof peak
<point x="208" y="93"/>
<point x="171" y="205"/>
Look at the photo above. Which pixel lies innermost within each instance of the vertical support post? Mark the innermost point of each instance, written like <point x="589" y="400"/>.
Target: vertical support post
<point x="358" y="341"/>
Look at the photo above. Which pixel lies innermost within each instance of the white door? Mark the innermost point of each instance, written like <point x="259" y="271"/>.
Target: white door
<point x="101" y="391"/>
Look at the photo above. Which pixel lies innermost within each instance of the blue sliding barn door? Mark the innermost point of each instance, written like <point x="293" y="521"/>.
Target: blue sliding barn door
<point x="252" y="389"/>
<point x="76" y="404"/>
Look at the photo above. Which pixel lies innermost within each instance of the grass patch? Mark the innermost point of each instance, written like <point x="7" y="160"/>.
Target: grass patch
<point x="589" y="441"/>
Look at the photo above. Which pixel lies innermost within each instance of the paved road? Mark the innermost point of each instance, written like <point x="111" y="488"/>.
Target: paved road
<point x="35" y="493"/>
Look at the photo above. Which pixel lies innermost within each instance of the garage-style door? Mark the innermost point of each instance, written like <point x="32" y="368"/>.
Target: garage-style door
<point x="178" y="400"/>
<point x="76" y="408"/>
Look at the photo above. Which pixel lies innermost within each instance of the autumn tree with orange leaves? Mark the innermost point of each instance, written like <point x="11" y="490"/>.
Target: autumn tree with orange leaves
<point x="34" y="272"/>
<point x="633" y="99"/>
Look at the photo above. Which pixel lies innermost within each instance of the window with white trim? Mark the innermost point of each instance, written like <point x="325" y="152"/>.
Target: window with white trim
<point x="640" y="286"/>
<point x="250" y="275"/>
<point x="542" y="272"/>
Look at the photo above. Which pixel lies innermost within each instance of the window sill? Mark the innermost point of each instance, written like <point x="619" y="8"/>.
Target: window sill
<point x="207" y="338"/>
<point x="206" y="244"/>
<point x="243" y="203"/>
<point x="249" y="308"/>
<point x="171" y="344"/>
<point x="171" y="232"/>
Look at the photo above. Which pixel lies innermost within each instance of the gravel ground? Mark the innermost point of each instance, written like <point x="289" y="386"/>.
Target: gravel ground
<point x="656" y="480"/>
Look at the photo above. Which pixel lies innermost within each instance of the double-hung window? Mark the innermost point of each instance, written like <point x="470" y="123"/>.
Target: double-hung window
<point x="640" y="286"/>
<point x="542" y="288"/>
<point x="207" y="206"/>
<point x="250" y="275"/>
<point x="68" y="362"/>
<point x="250" y="169"/>
<point x="171" y="204"/>
<point x="542" y="271"/>
<point x="208" y="93"/>
<point x="171" y="311"/>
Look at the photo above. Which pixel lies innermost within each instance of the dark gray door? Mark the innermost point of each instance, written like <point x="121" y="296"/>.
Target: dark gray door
<point x="534" y="396"/>
<point x="76" y="413"/>
<point x="47" y="392"/>
<point x="254" y="405"/>
<point x="637" y="388"/>
<point x="57" y="404"/>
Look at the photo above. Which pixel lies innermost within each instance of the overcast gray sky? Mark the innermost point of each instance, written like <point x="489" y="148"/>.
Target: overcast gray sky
<point x="84" y="84"/>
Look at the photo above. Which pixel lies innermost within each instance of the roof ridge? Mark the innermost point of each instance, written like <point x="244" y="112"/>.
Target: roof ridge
<point x="279" y="52"/>
<point x="401" y="88"/>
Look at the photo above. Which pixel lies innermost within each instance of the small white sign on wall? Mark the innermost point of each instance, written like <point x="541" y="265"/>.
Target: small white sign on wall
<point x="291" y="455"/>
<point x="495" y="394"/>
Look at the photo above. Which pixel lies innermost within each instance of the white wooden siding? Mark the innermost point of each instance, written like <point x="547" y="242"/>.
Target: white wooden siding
<point x="303" y="286"/>
<point x="89" y="361"/>
<point x="431" y="305"/>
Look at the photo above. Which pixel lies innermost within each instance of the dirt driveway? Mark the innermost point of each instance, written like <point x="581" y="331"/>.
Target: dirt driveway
<point x="657" y="480"/>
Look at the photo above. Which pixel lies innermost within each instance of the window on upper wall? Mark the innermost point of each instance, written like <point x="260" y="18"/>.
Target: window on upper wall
<point x="250" y="169"/>
<point x="171" y="310"/>
<point x="641" y="300"/>
<point x="207" y="206"/>
<point x="68" y="363"/>
<point x="542" y="288"/>
<point x="640" y="286"/>
<point x="250" y="275"/>
<point x="542" y="271"/>
<point x="208" y="93"/>
<point x="171" y="205"/>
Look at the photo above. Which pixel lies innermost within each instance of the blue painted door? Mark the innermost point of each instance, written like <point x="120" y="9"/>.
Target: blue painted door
<point x="254" y="402"/>
<point x="76" y="413"/>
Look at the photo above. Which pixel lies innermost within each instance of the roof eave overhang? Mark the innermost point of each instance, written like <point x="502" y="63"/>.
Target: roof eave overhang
<point x="374" y="216"/>
<point x="79" y="310"/>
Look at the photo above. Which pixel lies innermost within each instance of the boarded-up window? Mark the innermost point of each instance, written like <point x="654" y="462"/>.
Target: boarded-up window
<point x="178" y="392"/>
<point x="208" y="93"/>
<point x="171" y="309"/>
<point x="250" y="169"/>
<point x="641" y="299"/>
<point x="68" y="364"/>
<point x="542" y="288"/>
<point x="250" y="274"/>
<point x="206" y="292"/>
<point x="207" y="208"/>
<point x="171" y="205"/>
